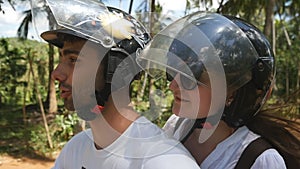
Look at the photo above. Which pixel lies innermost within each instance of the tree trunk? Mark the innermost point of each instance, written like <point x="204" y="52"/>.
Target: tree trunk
<point x="151" y="22"/>
<point x="35" y="81"/>
<point x="287" y="84"/>
<point x="26" y="89"/>
<point x="141" y="94"/>
<point x="297" y="88"/>
<point x="51" y="97"/>
<point x="274" y="37"/>
<point x="51" y="86"/>
<point x="269" y="18"/>
<point x="298" y="76"/>
<point x="130" y="6"/>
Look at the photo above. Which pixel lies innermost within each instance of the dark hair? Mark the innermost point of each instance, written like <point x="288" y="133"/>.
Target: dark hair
<point x="64" y="37"/>
<point x="283" y="134"/>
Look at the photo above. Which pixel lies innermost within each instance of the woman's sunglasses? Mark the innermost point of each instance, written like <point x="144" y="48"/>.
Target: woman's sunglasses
<point x="187" y="83"/>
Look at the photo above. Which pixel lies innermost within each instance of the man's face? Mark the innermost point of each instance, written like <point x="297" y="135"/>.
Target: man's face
<point x="77" y="53"/>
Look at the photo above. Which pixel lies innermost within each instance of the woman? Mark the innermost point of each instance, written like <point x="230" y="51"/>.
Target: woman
<point x="222" y="71"/>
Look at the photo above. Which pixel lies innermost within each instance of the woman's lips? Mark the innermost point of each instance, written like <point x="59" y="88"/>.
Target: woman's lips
<point x="179" y="99"/>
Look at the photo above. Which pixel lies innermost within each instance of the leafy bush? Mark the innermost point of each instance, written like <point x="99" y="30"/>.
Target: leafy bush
<point x="62" y="129"/>
<point x="152" y="98"/>
<point x="14" y="70"/>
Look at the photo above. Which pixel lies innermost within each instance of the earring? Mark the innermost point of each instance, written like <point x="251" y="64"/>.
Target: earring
<point x="228" y="102"/>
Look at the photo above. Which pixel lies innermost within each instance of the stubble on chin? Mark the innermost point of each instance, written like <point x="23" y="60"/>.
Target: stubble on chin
<point x="68" y="103"/>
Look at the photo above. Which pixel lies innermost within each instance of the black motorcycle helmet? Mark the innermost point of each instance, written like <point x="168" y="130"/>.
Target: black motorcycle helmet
<point x="246" y="104"/>
<point x="117" y="31"/>
<point x="225" y="47"/>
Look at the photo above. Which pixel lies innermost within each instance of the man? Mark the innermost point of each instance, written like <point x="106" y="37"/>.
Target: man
<point x="97" y="45"/>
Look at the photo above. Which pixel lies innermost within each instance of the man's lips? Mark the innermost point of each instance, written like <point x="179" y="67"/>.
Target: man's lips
<point x="64" y="94"/>
<point x="65" y="90"/>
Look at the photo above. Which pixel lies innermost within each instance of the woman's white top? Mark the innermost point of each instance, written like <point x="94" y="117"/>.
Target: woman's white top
<point x="228" y="152"/>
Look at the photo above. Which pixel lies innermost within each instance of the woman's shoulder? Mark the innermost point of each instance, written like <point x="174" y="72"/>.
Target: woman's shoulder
<point x="171" y="122"/>
<point x="242" y="137"/>
<point x="270" y="158"/>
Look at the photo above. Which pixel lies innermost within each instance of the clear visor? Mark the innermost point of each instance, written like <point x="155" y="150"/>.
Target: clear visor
<point x="41" y="20"/>
<point x="91" y="19"/>
<point x="201" y="43"/>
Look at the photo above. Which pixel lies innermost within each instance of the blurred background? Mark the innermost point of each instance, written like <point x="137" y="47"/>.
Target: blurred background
<point x="35" y="126"/>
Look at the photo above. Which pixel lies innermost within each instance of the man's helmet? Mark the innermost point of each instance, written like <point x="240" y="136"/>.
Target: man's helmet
<point x="111" y="28"/>
<point x="228" y="49"/>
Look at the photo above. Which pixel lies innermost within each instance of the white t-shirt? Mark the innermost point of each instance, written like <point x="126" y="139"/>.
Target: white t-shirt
<point x="142" y="146"/>
<point x="228" y="152"/>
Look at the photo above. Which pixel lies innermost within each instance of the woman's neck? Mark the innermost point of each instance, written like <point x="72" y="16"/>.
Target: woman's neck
<point x="201" y="151"/>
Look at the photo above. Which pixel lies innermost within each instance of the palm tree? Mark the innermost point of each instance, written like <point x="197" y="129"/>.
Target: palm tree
<point x="22" y="32"/>
<point x="11" y="2"/>
<point x="199" y="4"/>
<point x="265" y="9"/>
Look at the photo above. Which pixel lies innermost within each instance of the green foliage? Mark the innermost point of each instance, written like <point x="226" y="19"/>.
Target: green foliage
<point x="62" y="129"/>
<point x="154" y="21"/>
<point x="287" y="92"/>
<point x="64" y="125"/>
<point x="38" y="140"/>
<point x="14" y="69"/>
<point x="20" y="139"/>
<point x="152" y="98"/>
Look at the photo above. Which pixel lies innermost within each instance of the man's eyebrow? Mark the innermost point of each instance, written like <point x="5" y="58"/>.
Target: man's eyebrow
<point x="69" y="51"/>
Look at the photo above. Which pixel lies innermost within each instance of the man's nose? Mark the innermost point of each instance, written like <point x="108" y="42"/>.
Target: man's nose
<point x="58" y="74"/>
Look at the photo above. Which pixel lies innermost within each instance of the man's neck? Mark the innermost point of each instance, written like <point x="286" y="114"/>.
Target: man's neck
<point x="111" y="123"/>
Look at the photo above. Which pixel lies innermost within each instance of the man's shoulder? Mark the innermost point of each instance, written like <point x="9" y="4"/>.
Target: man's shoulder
<point x="142" y="127"/>
<point x="174" y="161"/>
<point x="81" y="137"/>
<point x="161" y="143"/>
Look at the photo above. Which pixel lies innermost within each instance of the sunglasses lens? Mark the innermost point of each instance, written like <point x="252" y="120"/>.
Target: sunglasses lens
<point x="170" y="74"/>
<point x="187" y="83"/>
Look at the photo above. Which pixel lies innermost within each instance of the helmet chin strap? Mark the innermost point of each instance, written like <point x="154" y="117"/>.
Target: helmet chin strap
<point x="116" y="57"/>
<point x="202" y="123"/>
<point x="102" y="96"/>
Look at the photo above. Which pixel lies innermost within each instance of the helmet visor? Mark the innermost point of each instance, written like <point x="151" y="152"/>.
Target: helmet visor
<point x="201" y="43"/>
<point x="91" y="19"/>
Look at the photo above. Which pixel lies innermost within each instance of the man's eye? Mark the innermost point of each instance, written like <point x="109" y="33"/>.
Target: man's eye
<point x="73" y="59"/>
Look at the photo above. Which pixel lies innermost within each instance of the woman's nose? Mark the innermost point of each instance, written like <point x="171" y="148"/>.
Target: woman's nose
<point x="174" y="83"/>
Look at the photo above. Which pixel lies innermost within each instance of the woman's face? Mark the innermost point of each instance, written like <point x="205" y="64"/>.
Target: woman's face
<point x="193" y="103"/>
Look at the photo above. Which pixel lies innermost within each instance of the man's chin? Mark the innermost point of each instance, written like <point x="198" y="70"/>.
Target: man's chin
<point x="69" y="105"/>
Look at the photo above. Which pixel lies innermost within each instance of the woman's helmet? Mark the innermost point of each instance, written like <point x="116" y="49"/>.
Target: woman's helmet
<point x="228" y="49"/>
<point x="113" y="29"/>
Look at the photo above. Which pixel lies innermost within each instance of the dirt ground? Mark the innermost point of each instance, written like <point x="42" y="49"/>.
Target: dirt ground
<point x="8" y="162"/>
